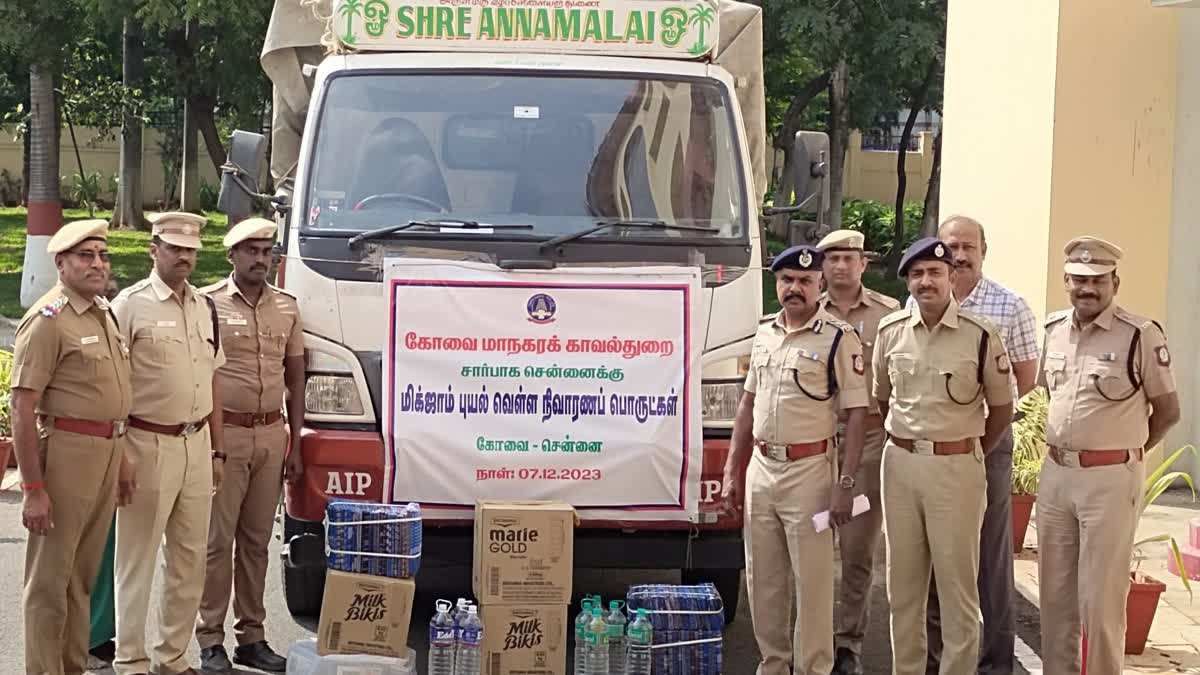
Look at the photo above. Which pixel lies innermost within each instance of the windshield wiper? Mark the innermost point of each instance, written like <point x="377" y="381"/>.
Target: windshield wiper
<point x="648" y="224"/>
<point x="449" y="223"/>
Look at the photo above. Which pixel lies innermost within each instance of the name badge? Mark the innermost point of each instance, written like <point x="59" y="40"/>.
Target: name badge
<point x="165" y="324"/>
<point x="1055" y="355"/>
<point x="90" y="340"/>
<point x="235" y="322"/>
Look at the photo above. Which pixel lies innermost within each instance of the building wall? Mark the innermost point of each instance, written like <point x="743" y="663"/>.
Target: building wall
<point x="871" y="174"/>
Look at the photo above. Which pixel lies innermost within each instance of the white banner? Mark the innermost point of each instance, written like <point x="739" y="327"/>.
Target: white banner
<point x="579" y="385"/>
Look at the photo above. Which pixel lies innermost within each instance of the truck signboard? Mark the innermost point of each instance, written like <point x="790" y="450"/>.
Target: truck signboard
<point x="674" y="29"/>
<point x="567" y="385"/>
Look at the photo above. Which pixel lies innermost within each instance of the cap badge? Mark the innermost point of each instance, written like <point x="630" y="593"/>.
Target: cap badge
<point x="805" y="259"/>
<point x="939" y="250"/>
<point x="1085" y="256"/>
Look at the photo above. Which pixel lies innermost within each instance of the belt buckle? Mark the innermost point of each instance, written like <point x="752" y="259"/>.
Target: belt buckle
<point x="923" y="447"/>
<point x="258" y="419"/>
<point x="1069" y="459"/>
<point x="188" y="429"/>
<point x="776" y="451"/>
<point x="118" y="428"/>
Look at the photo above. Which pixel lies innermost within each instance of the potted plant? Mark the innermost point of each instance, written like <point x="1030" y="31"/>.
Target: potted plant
<point x="1029" y="449"/>
<point x="6" y="444"/>
<point x="1144" y="590"/>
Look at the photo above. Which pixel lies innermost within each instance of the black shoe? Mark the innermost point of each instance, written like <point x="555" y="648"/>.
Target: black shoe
<point x="847" y="663"/>
<point x="259" y="655"/>
<point x="104" y="651"/>
<point x="215" y="660"/>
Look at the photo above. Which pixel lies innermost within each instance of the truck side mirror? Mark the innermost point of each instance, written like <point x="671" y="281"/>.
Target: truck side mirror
<point x="239" y="175"/>
<point x="811" y="177"/>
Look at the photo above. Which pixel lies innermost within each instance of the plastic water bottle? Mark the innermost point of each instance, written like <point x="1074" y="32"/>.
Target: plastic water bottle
<point x="640" y="636"/>
<point x="441" y="640"/>
<point x="469" y="654"/>
<point x="616" y="638"/>
<point x="460" y="611"/>
<point x="595" y="652"/>
<point x="581" y="623"/>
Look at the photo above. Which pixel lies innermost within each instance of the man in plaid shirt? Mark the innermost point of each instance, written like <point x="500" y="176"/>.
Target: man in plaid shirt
<point x="1011" y="314"/>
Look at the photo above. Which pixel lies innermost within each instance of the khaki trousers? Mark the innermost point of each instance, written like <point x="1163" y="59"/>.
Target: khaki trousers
<point x="783" y="553"/>
<point x="170" y="509"/>
<point x="243" y="511"/>
<point x="80" y="474"/>
<point x="932" y="509"/>
<point x="1086" y="520"/>
<point x="857" y="542"/>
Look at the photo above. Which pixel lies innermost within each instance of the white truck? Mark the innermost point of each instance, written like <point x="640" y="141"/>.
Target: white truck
<point x="624" y="132"/>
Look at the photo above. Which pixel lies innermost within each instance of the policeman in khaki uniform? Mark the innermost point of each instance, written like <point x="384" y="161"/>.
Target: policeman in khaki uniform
<point x="1112" y="395"/>
<point x="805" y="367"/>
<point x="70" y="397"/>
<point x="933" y="369"/>
<point x="263" y="341"/>
<point x="174" y="352"/>
<point x="847" y="299"/>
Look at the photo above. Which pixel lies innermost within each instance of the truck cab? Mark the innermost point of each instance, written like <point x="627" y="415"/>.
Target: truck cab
<point x="611" y="135"/>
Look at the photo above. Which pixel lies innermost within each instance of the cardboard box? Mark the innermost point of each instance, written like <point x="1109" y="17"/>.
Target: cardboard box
<point x="365" y="614"/>
<point x="524" y="639"/>
<point x="524" y="553"/>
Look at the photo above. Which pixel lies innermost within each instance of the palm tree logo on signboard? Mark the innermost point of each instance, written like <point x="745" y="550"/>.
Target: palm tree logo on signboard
<point x="350" y="9"/>
<point x="701" y="17"/>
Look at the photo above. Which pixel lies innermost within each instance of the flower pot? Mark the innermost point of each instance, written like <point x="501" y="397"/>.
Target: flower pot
<point x="8" y="459"/>
<point x="1140" y="607"/>
<point x="1022" y="508"/>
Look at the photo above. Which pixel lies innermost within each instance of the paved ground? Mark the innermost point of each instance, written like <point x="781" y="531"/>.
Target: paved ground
<point x="739" y="648"/>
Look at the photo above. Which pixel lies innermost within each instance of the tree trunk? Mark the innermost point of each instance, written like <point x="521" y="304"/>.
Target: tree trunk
<point x="933" y="194"/>
<point x="916" y="102"/>
<point x="206" y="122"/>
<point x="189" y="187"/>
<point x="45" y="200"/>
<point x="786" y="138"/>
<point x="839" y="138"/>
<point x="129" y="210"/>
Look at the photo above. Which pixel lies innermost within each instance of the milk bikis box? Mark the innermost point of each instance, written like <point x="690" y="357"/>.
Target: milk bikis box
<point x="524" y="552"/>
<point x="365" y="614"/>
<point x="524" y="639"/>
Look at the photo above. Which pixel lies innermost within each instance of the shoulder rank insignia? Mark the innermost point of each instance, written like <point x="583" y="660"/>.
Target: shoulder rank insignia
<point x="55" y="307"/>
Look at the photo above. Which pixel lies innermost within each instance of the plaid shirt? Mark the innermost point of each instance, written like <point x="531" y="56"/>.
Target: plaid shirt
<point x="1008" y="311"/>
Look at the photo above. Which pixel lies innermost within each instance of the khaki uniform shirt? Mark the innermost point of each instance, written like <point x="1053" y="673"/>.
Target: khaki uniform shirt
<point x="256" y="339"/>
<point x="930" y="376"/>
<point x="70" y="351"/>
<point x="172" y="349"/>
<point x="864" y="317"/>
<point x="1082" y="365"/>
<point x="784" y="360"/>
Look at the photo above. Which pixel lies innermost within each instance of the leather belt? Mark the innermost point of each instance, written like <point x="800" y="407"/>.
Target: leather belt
<point x="791" y="451"/>
<point x="242" y="419"/>
<point x="1088" y="458"/>
<point x="185" y="429"/>
<point x="959" y="447"/>
<point x="88" y="427"/>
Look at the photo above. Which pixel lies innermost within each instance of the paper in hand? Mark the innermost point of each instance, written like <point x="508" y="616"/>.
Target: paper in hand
<point x="859" y="506"/>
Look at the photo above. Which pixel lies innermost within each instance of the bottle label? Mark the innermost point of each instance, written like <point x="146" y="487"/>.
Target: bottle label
<point x="597" y="639"/>
<point x="639" y="635"/>
<point x="471" y="637"/>
<point x="441" y="636"/>
<point x="615" y="630"/>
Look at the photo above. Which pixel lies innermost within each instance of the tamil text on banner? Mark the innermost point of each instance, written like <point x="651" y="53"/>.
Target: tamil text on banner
<point x="574" y="385"/>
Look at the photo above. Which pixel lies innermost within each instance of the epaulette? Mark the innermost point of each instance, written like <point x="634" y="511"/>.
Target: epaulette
<point x="1055" y="317"/>
<point x="838" y="323"/>
<point x="283" y="292"/>
<point x="885" y="300"/>
<point x="985" y="324"/>
<point x="134" y="288"/>
<point x="216" y="286"/>
<point x="767" y="318"/>
<point x="895" y="317"/>
<point x="52" y="308"/>
<point x="1138" y="322"/>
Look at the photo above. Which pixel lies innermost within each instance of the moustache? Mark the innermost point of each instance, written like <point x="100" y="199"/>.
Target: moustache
<point x="258" y="268"/>
<point x="799" y="296"/>
<point x="1087" y="296"/>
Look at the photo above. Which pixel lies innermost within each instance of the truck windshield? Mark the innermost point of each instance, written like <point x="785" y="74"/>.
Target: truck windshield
<point x="558" y="153"/>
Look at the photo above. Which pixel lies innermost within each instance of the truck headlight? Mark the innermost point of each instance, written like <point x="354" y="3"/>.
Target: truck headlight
<point x="331" y="387"/>
<point x="719" y="399"/>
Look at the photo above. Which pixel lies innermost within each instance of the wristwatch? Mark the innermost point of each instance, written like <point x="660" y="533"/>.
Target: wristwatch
<point x="846" y="482"/>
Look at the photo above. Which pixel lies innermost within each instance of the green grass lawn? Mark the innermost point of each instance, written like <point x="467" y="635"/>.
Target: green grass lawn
<point x="873" y="279"/>
<point x="130" y="254"/>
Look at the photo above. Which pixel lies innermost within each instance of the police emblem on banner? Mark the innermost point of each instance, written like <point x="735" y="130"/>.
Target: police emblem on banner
<point x="540" y="308"/>
<point x="858" y="364"/>
<point x="1163" y="356"/>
